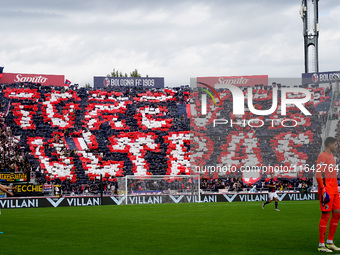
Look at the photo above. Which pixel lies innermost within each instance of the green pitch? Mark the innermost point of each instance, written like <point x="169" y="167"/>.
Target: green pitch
<point x="207" y="228"/>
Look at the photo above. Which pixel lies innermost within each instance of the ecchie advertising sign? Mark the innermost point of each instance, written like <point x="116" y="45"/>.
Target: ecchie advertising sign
<point x="43" y="79"/>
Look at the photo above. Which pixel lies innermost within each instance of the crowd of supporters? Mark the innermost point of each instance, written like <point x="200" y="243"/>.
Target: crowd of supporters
<point x="224" y="185"/>
<point x="87" y="163"/>
<point x="276" y="145"/>
<point x="237" y="185"/>
<point x="17" y="156"/>
<point x="337" y="133"/>
<point x="12" y="157"/>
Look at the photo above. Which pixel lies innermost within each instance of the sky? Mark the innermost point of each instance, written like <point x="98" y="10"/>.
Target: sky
<point x="176" y="39"/>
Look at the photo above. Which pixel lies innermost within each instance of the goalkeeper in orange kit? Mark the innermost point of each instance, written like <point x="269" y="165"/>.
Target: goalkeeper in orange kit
<point x="326" y="176"/>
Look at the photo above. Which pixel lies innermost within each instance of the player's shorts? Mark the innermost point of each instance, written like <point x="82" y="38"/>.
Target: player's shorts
<point x="333" y="204"/>
<point x="272" y="195"/>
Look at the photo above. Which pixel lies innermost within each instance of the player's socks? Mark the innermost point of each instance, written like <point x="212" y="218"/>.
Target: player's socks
<point x="276" y="204"/>
<point x="333" y="226"/>
<point x="265" y="203"/>
<point x="323" y="227"/>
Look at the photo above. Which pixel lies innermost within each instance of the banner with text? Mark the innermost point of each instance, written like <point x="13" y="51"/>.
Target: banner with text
<point x="146" y="82"/>
<point x="13" y="177"/>
<point x="43" y="79"/>
<point x="240" y="81"/>
<point x="23" y="190"/>
<point x="319" y="78"/>
<point x="35" y="202"/>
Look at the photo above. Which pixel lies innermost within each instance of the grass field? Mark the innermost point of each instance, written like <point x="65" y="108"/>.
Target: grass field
<point x="206" y="228"/>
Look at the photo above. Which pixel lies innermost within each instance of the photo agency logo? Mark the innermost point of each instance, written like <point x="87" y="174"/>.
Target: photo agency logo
<point x="243" y="99"/>
<point x="252" y="126"/>
<point x="204" y="97"/>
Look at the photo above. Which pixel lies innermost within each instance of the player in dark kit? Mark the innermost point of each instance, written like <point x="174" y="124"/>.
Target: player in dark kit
<point x="272" y="193"/>
<point x="326" y="176"/>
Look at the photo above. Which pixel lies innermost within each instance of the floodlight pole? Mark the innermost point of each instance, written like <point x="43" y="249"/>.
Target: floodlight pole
<point x="310" y="35"/>
<point x="101" y="189"/>
<point x="126" y="189"/>
<point x="199" y="188"/>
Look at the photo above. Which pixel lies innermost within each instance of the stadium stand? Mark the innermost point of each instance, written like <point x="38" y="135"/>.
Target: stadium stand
<point x="12" y="158"/>
<point x="296" y="146"/>
<point x="74" y="136"/>
<point x="70" y="136"/>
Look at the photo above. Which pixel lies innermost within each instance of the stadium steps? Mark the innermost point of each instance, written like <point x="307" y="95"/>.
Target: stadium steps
<point x="332" y="129"/>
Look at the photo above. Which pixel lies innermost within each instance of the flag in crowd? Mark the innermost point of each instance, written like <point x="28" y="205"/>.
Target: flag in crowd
<point x="75" y="143"/>
<point x="7" y="109"/>
<point x="67" y="82"/>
